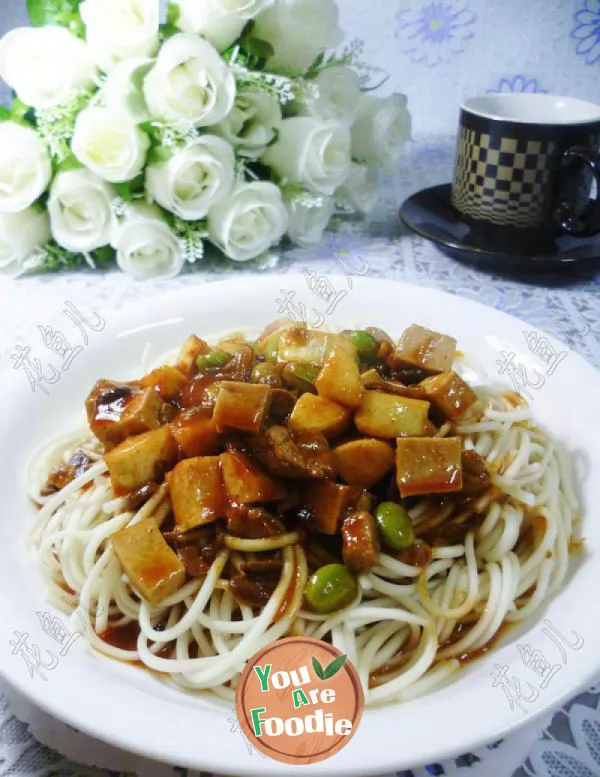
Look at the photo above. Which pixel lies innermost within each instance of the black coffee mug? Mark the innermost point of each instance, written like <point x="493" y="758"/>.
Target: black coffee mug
<point x="525" y="165"/>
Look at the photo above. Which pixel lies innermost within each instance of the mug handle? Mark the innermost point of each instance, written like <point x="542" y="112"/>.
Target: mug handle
<point x="571" y="221"/>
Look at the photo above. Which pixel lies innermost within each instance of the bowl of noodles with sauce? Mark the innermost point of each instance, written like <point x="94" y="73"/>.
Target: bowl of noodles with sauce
<point x="372" y="483"/>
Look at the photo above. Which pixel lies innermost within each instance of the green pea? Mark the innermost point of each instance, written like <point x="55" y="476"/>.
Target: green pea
<point x="367" y="346"/>
<point x="330" y="588"/>
<point x="212" y="359"/>
<point x="266" y="373"/>
<point x="301" y="376"/>
<point x="395" y="526"/>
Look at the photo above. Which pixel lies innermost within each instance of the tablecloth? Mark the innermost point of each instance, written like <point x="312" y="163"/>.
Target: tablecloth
<point x="569" y="308"/>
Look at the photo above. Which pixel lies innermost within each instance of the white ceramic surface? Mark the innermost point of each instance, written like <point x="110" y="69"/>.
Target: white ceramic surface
<point x="135" y="710"/>
<point x="534" y="108"/>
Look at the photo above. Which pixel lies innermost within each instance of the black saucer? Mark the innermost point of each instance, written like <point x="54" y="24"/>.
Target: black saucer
<point x="431" y="214"/>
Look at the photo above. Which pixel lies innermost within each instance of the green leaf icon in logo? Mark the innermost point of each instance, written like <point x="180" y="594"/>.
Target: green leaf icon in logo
<point x="319" y="671"/>
<point x="331" y="670"/>
<point x="334" y="667"/>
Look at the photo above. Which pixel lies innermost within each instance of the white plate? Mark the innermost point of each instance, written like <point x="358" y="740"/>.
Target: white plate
<point x="135" y="710"/>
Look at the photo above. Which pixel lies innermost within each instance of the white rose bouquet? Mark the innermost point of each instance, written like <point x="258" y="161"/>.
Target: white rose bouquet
<point x="138" y="140"/>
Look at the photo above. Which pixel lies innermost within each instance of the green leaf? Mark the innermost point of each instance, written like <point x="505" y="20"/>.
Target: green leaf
<point x="69" y="163"/>
<point x="130" y="189"/>
<point x="334" y="667"/>
<point x="258" y="48"/>
<point x="168" y="31"/>
<point x="104" y="257"/>
<point x="158" y="155"/>
<point x="319" y="671"/>
<point x="42" y="12"/>
<point x="173" y="13"/>
<point x="5" y="113"/>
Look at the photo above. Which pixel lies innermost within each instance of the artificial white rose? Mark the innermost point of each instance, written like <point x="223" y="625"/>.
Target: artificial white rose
<point x="338" y="91"/>
<point x="146" y="246"/>
<point x="25" y="168"/>
<point x="219" y="21"/>
<point x="119" y="29"/>
<point x="249" y="221"/>
<point x="194" y="178"/>
<point x="361" y="190"/>
<point x="298" y="31"/>
<point x="110" y="144"/>
<point x="308" y="220"/>
<point x="381" y="130"/>
<point x="80" y="208"/>
<point x="313" y="153"/>
<point x="190" y="83"/>
<point x="253" y="123"/>
<point x="46" y="66"/>
<point x="20" y="235"/>
<point x="123" y="90"/>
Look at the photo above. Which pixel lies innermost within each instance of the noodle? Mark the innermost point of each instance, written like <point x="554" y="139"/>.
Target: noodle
<point x="407" y="628"/>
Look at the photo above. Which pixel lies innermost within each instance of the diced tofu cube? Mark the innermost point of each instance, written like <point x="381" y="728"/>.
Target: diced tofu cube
<point x="300" y="344"/>
<point x="319" y="415"/>
<point x="246" y="482"/>
<point x="166" y="381"/>
<point x="364" y="462"/>
<point x="390" y="416"/>
<point x="241" y="406"/>
<point x="449" y="394"/>
<point x="141" y="459"/>
<point x="153" y="569"/>
<point x="339" y="379"/>
<point x="190" y="351"/>
<point x="197" y="492"/>
<point x="326" y="503"/>
<point x="196" y="434"/>
<point x="117" y="411"/>
<point x="428" y="466"/>
<point x="360" y="542"/>
<point x="429" y="351"/>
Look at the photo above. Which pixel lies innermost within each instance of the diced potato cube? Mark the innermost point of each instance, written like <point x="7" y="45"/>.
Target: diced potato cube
<point x="197" y="492"/>
<point x="241" y="406"/>
<point x="390" y="416"/>
<point x="117" y="411"/>
<point x="339" y="380"/>
<point x="232" y="344"/>
<point x="449" y="394"/>
<point x="196" y="434"/>
<point x="166" y="381"/>
<point x="428" y="466"/>
<point x="141" y="459"/>
<point x="420" y="347"/>
<point x="364" y="462"/>
<point x="246" y="482"/>
<point x="190" y="351"/>
<point x="360" y="542"/>
<point x="326" y="503"/>
<point x="300" y="344"/>
<point x="153" y="569"/>
<point x="319" y="415"/>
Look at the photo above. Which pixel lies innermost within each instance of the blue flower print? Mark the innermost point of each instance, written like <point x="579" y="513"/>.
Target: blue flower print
<point x="587" y="31"/>
<point x="517" y="83"/>
<point x="436" y="31"/>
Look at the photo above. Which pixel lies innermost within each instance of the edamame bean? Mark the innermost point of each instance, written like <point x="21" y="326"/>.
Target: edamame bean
<point x="330" y="588"/>
<point x="366" y="345"/>
<point x="395" y="526"/>
<point x="212" y="359"/>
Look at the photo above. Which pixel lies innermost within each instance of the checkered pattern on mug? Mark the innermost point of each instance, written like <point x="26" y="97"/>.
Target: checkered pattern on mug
<point x="503" y="182"/>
